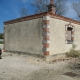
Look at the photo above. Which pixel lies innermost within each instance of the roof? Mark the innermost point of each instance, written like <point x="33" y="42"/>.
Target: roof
<point x="40" y="15"/>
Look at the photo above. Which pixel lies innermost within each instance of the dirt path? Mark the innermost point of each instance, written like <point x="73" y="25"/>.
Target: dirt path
<point x="23" y="67"/>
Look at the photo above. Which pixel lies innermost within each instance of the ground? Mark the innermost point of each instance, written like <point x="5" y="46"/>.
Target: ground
<point x="24" y="67"/>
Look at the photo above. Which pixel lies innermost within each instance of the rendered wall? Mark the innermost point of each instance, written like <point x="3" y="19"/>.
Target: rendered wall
<point x="57" y="36"/>
<point x="24" y="36"/>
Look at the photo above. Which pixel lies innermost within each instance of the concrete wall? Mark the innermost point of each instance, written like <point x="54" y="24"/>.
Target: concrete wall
<point x="24" y="36"/>
<point x="57" y="36"/>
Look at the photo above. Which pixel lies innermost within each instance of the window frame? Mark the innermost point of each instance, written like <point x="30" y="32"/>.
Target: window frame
<point x="72" y="34"/>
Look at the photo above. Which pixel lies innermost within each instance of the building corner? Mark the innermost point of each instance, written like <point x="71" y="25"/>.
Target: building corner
<point x="46" y="35"/>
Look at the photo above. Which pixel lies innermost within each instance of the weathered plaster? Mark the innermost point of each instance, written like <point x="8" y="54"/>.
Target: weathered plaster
<point x="24" y="36"/>
<point x="57" y="36"/>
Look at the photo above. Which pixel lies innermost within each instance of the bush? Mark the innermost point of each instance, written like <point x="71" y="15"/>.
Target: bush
<point x="73" y="53"/>
<point x="1" y="42"/>
<point x="1" y="35"/>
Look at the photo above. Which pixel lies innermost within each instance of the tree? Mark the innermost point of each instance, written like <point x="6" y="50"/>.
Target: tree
<point x="61" y="7"/>
<point x="41" y="6"/>
<point x="1" y="35"/>
<point x="23" y="12"/>
<point x="76" y="7"/>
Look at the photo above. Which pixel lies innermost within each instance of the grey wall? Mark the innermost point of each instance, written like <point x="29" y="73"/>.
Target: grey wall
<point x="57" y="36"/>
<point x="24" y="36"/>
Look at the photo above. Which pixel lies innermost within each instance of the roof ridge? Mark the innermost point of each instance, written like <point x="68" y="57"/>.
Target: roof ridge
<point x="39" y="16"/>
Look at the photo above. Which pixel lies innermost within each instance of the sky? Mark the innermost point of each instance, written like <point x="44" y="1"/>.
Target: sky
<point x="10" y="9"/>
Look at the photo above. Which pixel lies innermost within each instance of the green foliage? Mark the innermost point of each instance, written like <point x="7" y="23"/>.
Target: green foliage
<point x="73" y="53"/>
<point x="1" y="36"/>
<point x="1" y="42"/>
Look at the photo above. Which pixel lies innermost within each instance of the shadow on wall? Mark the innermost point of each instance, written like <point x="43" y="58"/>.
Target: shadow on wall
<point x="39" y="27"/>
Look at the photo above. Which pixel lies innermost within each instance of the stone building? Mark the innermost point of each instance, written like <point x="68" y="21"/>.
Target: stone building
<point x="43" y="34"/>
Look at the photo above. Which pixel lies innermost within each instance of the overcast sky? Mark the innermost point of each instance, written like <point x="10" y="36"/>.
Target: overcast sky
<point x="9" y="9"/>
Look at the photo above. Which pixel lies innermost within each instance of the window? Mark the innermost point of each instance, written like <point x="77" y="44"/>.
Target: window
<point x="69" y="34"/>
